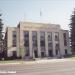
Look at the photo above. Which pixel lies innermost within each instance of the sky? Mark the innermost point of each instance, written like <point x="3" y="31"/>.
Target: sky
<point x="45" y="11"/>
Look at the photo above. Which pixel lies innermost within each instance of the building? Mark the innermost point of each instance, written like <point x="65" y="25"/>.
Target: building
<point x="37" y="40"/>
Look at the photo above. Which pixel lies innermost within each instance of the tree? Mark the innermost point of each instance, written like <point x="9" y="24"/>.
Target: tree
<point x="1" y="28"/>
<point x="1" y="37"/>
<point x="72" y="32"/>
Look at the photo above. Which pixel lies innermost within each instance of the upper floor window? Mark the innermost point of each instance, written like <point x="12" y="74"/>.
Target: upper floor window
<point x="57" y="46"/>
<point x="49" y="36"/>
<point x="65" y="39"/>
<point x="26" y="33"/>
<point x="42" y="39"/>
<point x="26" y="38"/>
<point x="14" y="39"/>
<point x="56" y="36"/>
<point x="34" y="35"/>
<point x="49" y="44"/>
<point x="34" y="38"/>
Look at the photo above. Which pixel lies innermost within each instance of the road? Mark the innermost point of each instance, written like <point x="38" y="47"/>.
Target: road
<point x="50" y="68"/>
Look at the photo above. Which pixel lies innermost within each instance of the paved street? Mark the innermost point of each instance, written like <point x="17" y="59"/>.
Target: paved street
<point x="50" y="68"/>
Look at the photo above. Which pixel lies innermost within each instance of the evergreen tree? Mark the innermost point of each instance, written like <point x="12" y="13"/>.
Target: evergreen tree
<point x="1" y="37"/>
<point x="1" y="28"/>
<point x="72" y="32"/>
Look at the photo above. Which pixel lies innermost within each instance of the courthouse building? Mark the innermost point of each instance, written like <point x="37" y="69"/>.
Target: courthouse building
<point x="37" y="40"/>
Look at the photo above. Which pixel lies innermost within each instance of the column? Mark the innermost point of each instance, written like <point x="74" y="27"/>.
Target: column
<point x="46" y="43"/>
<point x="18" y="42"/>
<point x="61" y="43"/>
<point x="53" y="41"/>
<point x="30" y="44"/>
<point x="38" y="41"/>
<point x="21" y="39"/>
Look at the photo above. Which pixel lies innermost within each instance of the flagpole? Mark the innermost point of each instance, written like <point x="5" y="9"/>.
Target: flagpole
<point x="24" y="18"/>
<point x="40" y="16"/>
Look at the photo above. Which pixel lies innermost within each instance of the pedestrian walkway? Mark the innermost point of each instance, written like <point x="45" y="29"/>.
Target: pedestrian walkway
<point x="38" y="61"/>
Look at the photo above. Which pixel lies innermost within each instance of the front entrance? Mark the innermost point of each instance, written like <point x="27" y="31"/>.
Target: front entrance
<point x="42" y="54"/>
<point x="50" y="53"/>
<point x="14" y="54"/>
<point x="35" y="54"/>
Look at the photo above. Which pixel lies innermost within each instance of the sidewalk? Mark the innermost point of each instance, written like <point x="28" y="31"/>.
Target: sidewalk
<point x="38" y="61"/>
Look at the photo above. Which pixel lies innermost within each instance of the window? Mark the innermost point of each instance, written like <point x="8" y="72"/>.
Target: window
<point x="27" y="51"/>
<point x="42" y="39"/>
<point x="26" y="42"/>
<point x="50" y="44"/>
<point x="34" y="38"/>
<point x="14" y="43"/>
<point x="14" y="54"/>
<point x="14" y="39"/>
<point x="26" y="33"/>
<point x="66" y="52"/>
<point x="49" y="36"/>
<point x="26" y="38"/>
<point x="65" y="39"/>
<point x="56" y="52"/>
<point x="57" y="46"/>
<point x="56" y="36"/>
<point x="50" y="53"/>
<point x="42" y="43"/>
<point x="42" y="54"/>
<point x="36" y="54"/>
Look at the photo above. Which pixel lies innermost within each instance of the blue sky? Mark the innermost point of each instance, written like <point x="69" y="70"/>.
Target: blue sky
<point x="53" y="11"/>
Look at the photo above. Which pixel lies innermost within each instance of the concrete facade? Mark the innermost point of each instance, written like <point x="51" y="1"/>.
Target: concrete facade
<point x="37" y="40"/>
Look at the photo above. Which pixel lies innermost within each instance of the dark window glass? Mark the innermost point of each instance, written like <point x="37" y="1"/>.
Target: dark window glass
<point x="42" y="39"/>
<point x="26" y="43"/>
<point x="65" y="39"/>
<point x="14" y="54"/>
<point x="34" y="38"/>
<point x="57" y="46"/>
<point x="14" y="43"/>
<point x="42" y="54"/>
<point x="36" y="53"/>
<point x="27" y="51"/>
<point x="56" y="36"/>
<point x="66" y="52"/>
<point x="26" y="38"/>
<point x="49" y="44"/>
<point x="50" y="53"/>
<point x="56" y="52"/>
<point x="14" y="39"/>
<point x="26" y="33"/>
<point x="49" y="36"/>
<point x="42" y="43"/>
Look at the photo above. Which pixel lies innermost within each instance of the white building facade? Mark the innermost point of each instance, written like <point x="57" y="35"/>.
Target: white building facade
<point x="37" y="40"/>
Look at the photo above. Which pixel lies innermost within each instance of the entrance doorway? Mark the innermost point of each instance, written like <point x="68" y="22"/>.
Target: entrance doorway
<point x="14" y="54"/>
<point x="35" y="54"/>
<point x="50" y="53"/>
<point x="42" y="54"/>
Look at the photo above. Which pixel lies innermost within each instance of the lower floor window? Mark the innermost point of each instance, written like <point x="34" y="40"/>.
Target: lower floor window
<point x="66" y="52"/>
<point x="36" y="53"/>
<point x="42" y="54"/>
<point x="56" y="52"/>
<point x="27" y="52"/>
<point x="14" y="54"/>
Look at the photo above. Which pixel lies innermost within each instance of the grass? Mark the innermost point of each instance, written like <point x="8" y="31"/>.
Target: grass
<point x="71" y="57"/>
<point x="23" y="61"/>
<point x="16" y="62"/>
<point x="8" y="61"/>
